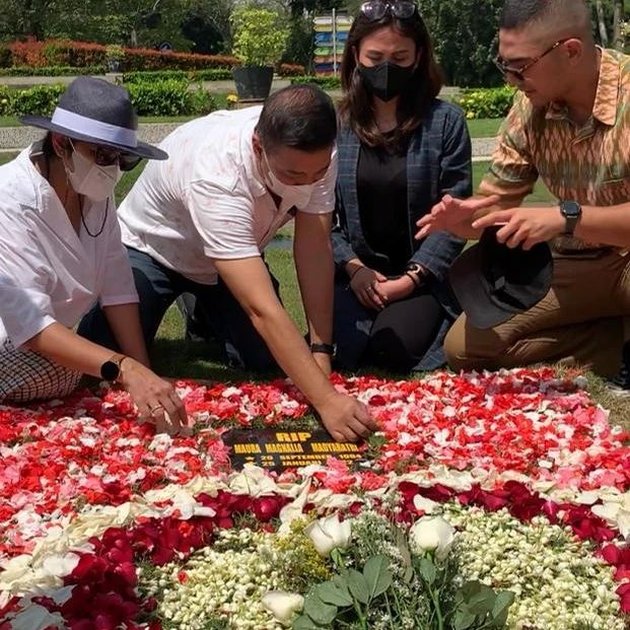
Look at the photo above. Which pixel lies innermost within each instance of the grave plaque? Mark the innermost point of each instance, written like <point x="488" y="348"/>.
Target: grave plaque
<point x="276" y="450"/>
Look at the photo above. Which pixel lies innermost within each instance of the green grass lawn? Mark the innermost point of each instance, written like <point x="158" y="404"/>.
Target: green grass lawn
<point x="484" y="127"/>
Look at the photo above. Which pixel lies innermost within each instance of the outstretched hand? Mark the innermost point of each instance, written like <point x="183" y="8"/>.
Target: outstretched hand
<point x="454" y="216"/>
<point x="156" y="399"/>
<point x="345" y="418"/>
<point x="524" y="226"/>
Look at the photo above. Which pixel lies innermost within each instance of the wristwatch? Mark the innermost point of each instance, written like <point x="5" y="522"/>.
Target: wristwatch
<point x="415" y="272"/>
<point x="571" y="211"/>
<point x="323" y="348"/>
<point x="110" y="370"/>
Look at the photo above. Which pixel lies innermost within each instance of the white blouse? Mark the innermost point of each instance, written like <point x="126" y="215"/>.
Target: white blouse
<point x="48" y="272"/>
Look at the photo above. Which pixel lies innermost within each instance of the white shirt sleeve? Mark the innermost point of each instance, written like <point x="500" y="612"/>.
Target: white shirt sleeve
<point x="118" y="284"/>
<point x="323" y="197"/>
<point x="25" y="306"/>
<point x="223" y="216"/>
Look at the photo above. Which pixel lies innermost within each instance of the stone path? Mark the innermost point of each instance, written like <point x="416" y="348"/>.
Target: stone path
<point x="17" y="138"/>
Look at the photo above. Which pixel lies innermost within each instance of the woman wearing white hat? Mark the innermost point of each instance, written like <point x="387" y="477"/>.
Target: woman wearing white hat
<point x="60" y="253"/>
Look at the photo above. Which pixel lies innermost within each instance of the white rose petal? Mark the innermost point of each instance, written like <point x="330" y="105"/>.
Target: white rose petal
<point x="329" y="533"/>
<point x="36" y="617"/>
<point x="432" y="533"/>
<point x="283" y="606"/>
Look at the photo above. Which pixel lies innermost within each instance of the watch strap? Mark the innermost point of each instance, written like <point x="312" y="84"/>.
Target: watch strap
<point x="571" y="216"/>
<point x="323" y="348"/>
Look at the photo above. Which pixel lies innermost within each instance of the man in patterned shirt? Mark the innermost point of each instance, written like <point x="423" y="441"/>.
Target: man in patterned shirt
<point x="570" y="126"/>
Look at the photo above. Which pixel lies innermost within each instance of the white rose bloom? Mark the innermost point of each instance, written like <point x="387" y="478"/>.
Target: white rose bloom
<point x="432" y="533"/>
<point x="282" y="605"/>
<point x="329" y="533"/>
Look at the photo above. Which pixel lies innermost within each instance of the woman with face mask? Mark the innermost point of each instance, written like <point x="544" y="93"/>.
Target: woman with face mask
<point x="400" y="149"/>
<point x="60" y="253"/>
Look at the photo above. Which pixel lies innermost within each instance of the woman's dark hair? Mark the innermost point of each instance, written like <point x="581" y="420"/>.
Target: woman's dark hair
<point x="356" y="107"/>
<point x="299" y="116"/>
<point x="47" y="147"/>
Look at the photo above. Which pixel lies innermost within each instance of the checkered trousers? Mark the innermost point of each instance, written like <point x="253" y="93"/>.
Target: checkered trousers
<point x="26" y="375"/>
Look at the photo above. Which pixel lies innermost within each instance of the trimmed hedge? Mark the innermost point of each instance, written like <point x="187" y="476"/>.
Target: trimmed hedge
<point x="486" y="102"/>
<point x="40" y="99"/>
<point x="326" y="82"/>
<point x="40" y="54"/>
<point x="51" y="71"/>
<point x="212" y="74"/>
<point x="169" y="98"/>
<point x="154" y="98"/>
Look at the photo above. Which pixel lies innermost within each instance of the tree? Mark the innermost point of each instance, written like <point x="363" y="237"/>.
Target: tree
<point x="24" y="18"/>
<point x="465" y="36"/>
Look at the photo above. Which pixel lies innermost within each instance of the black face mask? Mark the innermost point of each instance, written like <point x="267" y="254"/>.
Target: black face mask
<point x="386" y="80"/>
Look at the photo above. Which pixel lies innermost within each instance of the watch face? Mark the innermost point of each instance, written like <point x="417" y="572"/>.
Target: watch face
<point x="571" y="209"/>
<point x="109" y="371"/>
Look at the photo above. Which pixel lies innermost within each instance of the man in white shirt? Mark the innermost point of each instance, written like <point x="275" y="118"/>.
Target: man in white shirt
<point x="200" y="221"/>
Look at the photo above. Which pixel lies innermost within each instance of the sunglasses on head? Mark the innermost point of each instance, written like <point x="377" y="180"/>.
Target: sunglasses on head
<point x="378" y="9"/>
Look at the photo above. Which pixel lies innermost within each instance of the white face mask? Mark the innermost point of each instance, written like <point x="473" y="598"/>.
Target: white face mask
<point x="90" y="179"/>
<point x="294" y="195"/>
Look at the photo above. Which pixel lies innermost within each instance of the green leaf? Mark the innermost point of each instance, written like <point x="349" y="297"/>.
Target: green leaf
<point x="501" y="607"/>
<point x="463" y="619"/>
<point x="334" y="593"/>
<point x="358" y="586"/>
<point x="405" y="554"/>
<point x="427" y="571"/>
<point x="479" y="599"/>
<point x="377" y="575"/>
<point x="320" y="612"/>
<point x="305" y="623"/>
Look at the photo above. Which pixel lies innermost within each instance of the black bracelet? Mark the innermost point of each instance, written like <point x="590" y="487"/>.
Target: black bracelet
<point x="323" y="348"/>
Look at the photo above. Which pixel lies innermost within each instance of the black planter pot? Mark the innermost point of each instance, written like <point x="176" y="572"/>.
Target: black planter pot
<point x="253" y="82"/>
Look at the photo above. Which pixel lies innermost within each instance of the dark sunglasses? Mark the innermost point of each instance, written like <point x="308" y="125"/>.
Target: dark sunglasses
<point x="378" y="9"/>
<point x="104" y="156"/>
<point x="519" y="73"/>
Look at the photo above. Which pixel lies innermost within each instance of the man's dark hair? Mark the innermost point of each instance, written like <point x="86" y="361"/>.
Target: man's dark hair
<point x="561" y="14"/>
<point x="299" y="116"/>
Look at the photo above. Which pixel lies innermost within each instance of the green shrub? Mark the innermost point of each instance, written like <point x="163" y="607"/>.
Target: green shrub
<point x="486" y="102"/>
<point x="260" y="35"/>
<point x="325" y="82"/>
<point x="169" y="98"/>
<point x="39" y="99"/>
<point x="5" y="56"/>
<point x="5" y="99"/>
<point x="154" y="98"/>
<point x="51" y="71"/>
<point x="211" y="74"/>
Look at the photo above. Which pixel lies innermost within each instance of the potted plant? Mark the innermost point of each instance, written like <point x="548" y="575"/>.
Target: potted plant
<point x="114" y="55"/>
<point x="260" y="37"/>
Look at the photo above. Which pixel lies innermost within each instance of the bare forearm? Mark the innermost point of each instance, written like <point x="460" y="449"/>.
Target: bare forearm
<point x="124" y="320"/>
<point x="608" y="225"/>
<point x="66" y="348"/>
